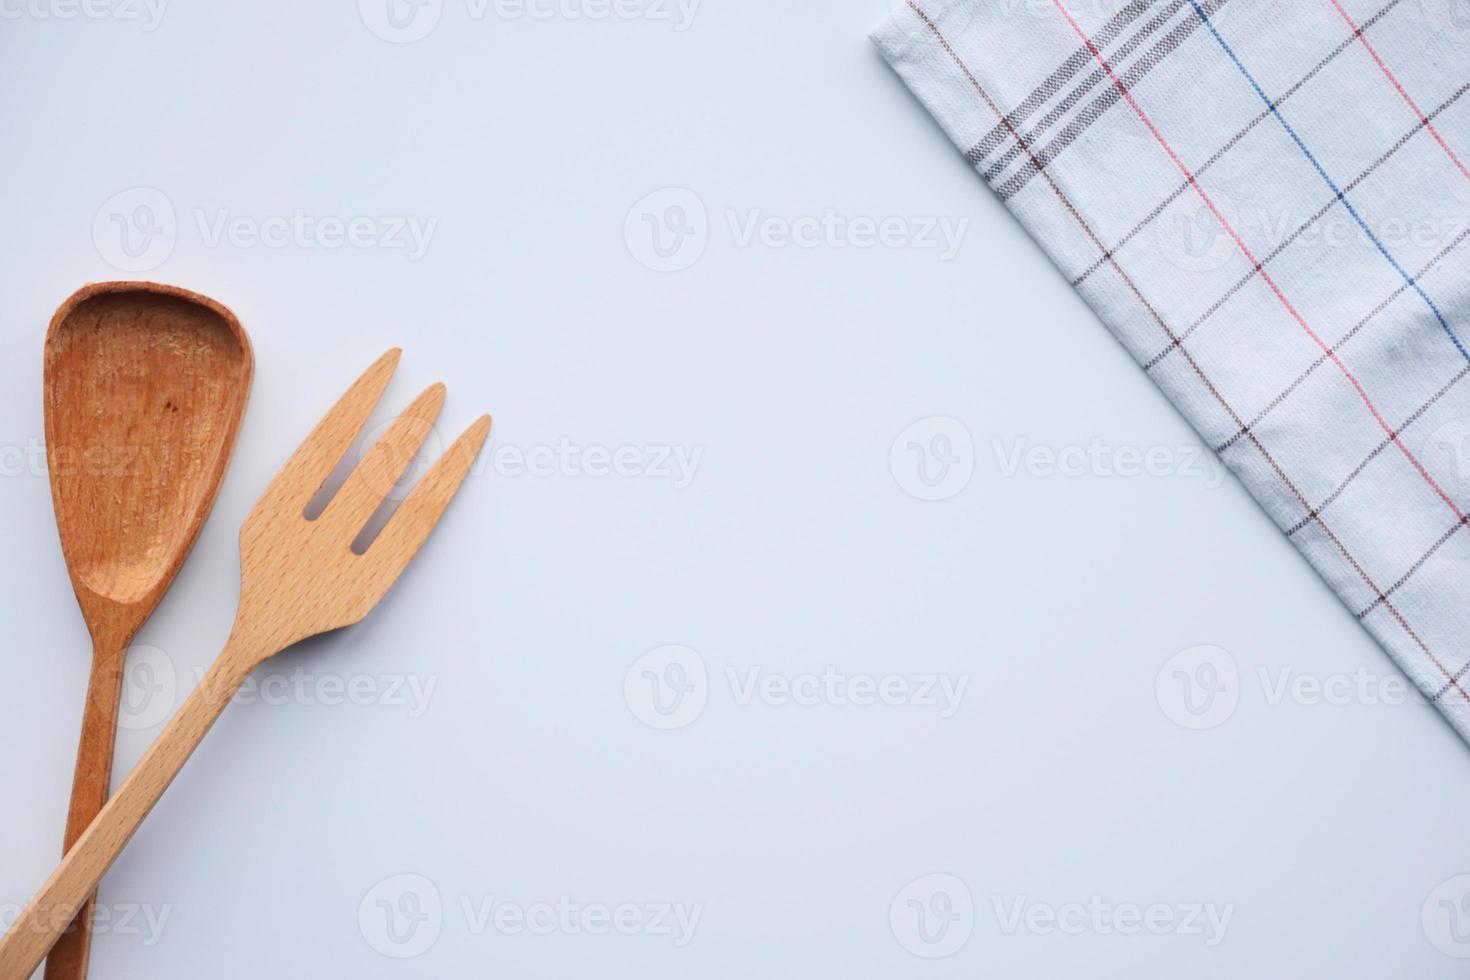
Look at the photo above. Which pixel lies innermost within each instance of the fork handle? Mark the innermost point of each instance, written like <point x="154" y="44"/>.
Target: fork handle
<point x="64" y="893"/>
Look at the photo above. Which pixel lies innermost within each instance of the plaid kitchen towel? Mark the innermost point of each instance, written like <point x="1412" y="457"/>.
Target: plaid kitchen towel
<point x="1267" y="202"/>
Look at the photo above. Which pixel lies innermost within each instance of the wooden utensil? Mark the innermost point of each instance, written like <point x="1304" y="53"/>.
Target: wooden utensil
<point x="299" y="578"/>
<point x="145" y="388"/>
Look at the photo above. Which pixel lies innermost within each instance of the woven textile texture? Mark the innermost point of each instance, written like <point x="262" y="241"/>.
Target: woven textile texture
<point x="1267" y="202"/>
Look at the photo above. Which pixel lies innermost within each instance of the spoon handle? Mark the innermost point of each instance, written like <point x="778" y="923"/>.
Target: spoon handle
<point x="46" y="917"/>
<point x="89" y="790"/>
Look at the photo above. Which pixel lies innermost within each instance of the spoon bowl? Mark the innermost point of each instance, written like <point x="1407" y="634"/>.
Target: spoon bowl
<point x="145" y="387"/>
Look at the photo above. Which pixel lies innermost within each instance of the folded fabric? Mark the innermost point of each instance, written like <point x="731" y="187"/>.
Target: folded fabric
<point x="1267" y="202"/>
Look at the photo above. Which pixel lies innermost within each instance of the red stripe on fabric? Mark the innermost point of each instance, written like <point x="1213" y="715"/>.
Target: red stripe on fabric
<point x="1387" y="73"/>
<point x="1266" y="277"/>
<point x="1112" y="260"/>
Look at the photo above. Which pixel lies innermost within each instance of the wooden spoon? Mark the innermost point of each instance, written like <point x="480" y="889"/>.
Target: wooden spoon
<point x="145" y="388"/>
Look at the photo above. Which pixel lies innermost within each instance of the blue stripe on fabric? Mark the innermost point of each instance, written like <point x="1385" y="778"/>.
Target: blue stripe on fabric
<point x="1331" y="183"/>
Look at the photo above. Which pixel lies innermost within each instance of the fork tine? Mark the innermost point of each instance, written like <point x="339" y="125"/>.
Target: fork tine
<point x="384" y="465"/>
<point x="410" y="525"/>
<point x="311" y="464"/>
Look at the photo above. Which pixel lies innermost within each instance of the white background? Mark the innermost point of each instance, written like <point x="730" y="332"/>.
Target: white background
<point x="1331" y="834"/>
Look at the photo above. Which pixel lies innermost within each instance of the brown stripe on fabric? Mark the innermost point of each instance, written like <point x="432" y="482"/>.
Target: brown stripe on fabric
<point x="1332" y="202"/>
<point x="1357" y="470"/>
<point x="1418" y="564"/>
<point x="1039" y="160"/>
<point x="978" y="153"/>
<point x="1209" y="385"/>
<point x="1066" y="71"/>
<point x="1234" y="141"/>
<point x="1337" y="347"/>
<point x="1455" y="679"/>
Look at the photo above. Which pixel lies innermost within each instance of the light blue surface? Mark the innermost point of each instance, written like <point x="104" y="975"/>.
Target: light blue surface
<point x="511" y="752"/>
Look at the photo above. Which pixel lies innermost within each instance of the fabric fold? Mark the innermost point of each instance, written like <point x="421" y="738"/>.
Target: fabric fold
<point x="1267" y="203"/>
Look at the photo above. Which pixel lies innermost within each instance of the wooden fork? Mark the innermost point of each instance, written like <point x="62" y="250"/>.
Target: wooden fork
<point x="299" y="578"/>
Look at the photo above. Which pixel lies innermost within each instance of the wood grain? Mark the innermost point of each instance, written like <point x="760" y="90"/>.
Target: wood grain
<point x="145" y="387"/>
<point x="299" y="578"/>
